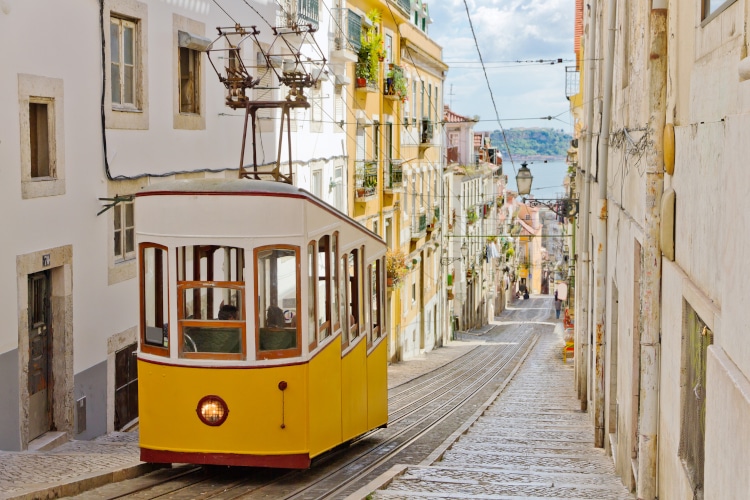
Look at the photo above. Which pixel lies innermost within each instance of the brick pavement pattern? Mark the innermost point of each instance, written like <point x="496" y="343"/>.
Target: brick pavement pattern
<point x="532" y="442"/>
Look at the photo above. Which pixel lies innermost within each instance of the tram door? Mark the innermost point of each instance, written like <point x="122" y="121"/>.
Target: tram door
<point x="40" y="341"/>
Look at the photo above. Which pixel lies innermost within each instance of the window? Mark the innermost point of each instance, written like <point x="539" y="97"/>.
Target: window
<point x="124" y="231"/>
<point x="429" y="101"/>
<point x="41" y="123"/>
<point x="316" y="107"/>
<point x="696" y="339"/>
<point x="317" y="183"/>
<point x="264" y="91"/>
<point x="210" y="302"/>
<point x="375" y="300"/>
<point x="39" y="140"/>
<point x="154" y="299"/>
<point x="277" y="290"/>
<point x="711" y="7"/>
<point x="388" y="49"/>
<point x="344" y="305"/>
<point x="323" y="275"/>
<point x="189" y="81"/>
<point x="338" y="105"/>
<point x="312" y="297"/>
<point x="414" y="101"/>
<point x="354" y="305"/>
<point x="123" y="56"/>
<point x="335" y="313"/>
<point x="376" y="140"/>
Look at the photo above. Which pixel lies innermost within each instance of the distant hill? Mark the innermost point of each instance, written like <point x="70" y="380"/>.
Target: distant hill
<point x="533" y="143"/>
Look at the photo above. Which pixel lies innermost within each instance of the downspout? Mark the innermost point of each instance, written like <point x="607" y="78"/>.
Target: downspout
<point x="651" y="290"/>
<point x="582" y="301"/>
<point x="600" y="262"/>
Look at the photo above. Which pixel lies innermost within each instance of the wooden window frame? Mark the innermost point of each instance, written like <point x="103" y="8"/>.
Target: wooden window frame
<point x="312" y="295"/>
<point x="150" y="348"/>
<point x="121" y="21"/>
<point x="325" y="243"/>
<point x="182" y="286"/>
<point x="193" y="77"/>
<point x="120" y="211"/>
<point x="281" y="353"/>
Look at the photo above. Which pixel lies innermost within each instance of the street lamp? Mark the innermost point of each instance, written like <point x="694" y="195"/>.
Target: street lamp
<point x="523" y="179"/>
<point x="464" y="252"/>
<point x="564" y="207"/>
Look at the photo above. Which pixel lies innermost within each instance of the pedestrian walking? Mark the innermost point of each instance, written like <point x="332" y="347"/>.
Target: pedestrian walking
<point x="558" y="306"/>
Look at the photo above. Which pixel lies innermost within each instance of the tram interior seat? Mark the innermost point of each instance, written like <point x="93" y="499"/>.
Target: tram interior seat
<point x="272" y="339"/>
<point x="220" y="340"/>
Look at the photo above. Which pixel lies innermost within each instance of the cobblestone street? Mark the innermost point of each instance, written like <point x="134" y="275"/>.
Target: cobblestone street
<point x="533" y="441"/>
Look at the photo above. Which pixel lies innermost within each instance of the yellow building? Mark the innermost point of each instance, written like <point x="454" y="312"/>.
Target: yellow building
<point x="392" y="95"/>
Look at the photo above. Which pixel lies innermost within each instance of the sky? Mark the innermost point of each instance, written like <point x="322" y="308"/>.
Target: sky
<point x="506" y="31"/>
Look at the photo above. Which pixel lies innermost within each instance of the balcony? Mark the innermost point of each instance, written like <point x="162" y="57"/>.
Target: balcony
<point x="404" y="5"/>
<point x="418" y="226"/>
<point x="394" y="177"/>
<point x="572" y="81"/>
<point x="394" y="85"/>
<point x="294" y="13"/>
<point x="432" y="226"/>
<point x="426" y="136"/>
<point x="348" y="38"/>
<point x="365" y="83"/>
<point x="365" y="180"/>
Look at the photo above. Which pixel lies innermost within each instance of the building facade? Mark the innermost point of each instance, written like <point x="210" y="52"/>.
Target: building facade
<point x="662" y="357"/>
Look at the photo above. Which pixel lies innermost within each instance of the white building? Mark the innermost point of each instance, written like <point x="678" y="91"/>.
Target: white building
<point x="123" y="99"/>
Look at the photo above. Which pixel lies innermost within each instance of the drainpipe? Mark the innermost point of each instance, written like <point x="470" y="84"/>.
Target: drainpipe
<point x="582" y="280"/>
<point x="600" y="262"/>
<point x="650" y="303"/>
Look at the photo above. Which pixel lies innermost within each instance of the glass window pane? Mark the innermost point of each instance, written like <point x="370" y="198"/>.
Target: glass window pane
<point x="128" y="47"/>
<point x="334" y="282"/>
<point x="116" y="97"/>
<point x="129" y="85"/>
<point x="114" y="41"/>
<point x="311" y="324"/>
<point x="212" y="304"/>
<point x="129" y="214"/>
<point x="129" y="240"/>
<point x="212" y="339"/>
<point x="277" y="299"/>
<point x="155" y="307"/>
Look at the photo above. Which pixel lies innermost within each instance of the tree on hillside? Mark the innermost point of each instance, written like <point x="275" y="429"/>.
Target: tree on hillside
<point x="532" y="141"/>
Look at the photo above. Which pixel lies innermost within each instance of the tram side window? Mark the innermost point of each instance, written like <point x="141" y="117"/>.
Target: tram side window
<point x="334" y="283"/>
<point x="211" y="306"/>
<point x="353" y="309"/>
<point x="278" y="336"/>
<point x="311" y="296"/>
<point x="154" y="300"/>
<point x="323" y="303"/>
<point x="376" y="286"/>
<point x="364" y="283"/>
<point x="343" y="277"/>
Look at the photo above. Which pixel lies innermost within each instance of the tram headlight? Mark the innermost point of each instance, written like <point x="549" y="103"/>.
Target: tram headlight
<point x="212" y="410"/>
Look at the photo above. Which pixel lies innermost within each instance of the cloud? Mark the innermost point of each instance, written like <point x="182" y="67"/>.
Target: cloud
<point x="506" y="30"/>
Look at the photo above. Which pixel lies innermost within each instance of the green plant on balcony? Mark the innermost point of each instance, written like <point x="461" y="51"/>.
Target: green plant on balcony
<point x="471" y="216"/>
<point x="395" y="267"/>
<point x="371" y="51"/>
<point x="395" y="83"/>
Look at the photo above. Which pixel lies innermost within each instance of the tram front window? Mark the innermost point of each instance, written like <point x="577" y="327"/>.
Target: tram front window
<point x="278" y="334"/>
<point x="210" y="300"/>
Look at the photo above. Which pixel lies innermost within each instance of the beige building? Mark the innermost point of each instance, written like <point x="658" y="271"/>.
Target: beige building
<point x="661" y="238"/>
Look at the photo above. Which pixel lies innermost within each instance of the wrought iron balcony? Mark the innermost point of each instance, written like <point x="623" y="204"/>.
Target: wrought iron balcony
<point x="418" y="226"/>
<point x="293" y="13"/>
<point x="427" y="132"/>
<point x="365" y="179"/>
<point x="394" y="178"/>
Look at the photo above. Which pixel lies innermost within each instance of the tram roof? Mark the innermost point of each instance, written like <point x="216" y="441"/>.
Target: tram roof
<point x="221" y="186"/>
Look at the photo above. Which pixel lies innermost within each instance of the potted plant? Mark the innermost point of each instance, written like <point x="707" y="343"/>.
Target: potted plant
<point x="395" y="267"/>
<point x="371" y="50"/>
<point x="471" y="216"/>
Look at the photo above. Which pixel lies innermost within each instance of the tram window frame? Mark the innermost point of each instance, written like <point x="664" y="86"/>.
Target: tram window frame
<point x="353" y="305"/>
<point x="334" y="307"/>
<point x="364" y="312"/>
<point x="312" y="296"/>
<point x="375" y="299"/>
<point x="323" y="296"/>
<point x="201" y="277"/>
<point x="343" y="279"/>
<point x="291" y="352"/>
<point x="162" y="288"/>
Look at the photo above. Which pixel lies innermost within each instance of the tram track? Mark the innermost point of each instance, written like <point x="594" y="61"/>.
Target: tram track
<point x="427" y="406"/>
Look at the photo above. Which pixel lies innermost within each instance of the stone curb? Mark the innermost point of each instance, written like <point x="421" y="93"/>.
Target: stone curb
<point x="84" y="483"/>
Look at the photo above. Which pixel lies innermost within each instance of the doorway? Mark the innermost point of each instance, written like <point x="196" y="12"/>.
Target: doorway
<point x="40" y="355"/>
<point x="126" y="386"/>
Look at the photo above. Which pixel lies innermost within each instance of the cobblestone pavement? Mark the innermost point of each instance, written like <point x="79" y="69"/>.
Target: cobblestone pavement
<point x="532" y="442"/>
<point x="79" y="466"/>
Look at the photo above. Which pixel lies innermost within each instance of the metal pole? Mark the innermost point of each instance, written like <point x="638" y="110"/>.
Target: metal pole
<point x="648" y="421"/>
<point x="600" y="262"/>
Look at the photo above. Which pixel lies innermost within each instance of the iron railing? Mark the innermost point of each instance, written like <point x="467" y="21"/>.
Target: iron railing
<point x="405" y="5"/>
<point x="572" y="81"/>
<point x="365" y="179"/>
<point x="294" y="13"/>
<point x="419" y="225"/>
<point x="395" y="178"/>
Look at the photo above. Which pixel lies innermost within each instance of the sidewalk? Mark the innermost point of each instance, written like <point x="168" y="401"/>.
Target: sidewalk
<point x="78" y="466"/>
<point x="531" y="440"/>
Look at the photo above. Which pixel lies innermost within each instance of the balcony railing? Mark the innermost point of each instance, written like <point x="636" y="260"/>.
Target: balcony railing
<point x="404" y="5"/>
<point x="365" y="179"/>
<point x="395" y="177"/>
<point x="418" y="225"/>
<point x="572" y="81"/>
<point x="364" y="84"/>
<point x="293" y="13"/>
<point x="348" y="29"/>
<point x="427" y="132"/>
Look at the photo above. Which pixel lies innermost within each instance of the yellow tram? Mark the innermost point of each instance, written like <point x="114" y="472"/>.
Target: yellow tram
<point x="262" y="324"/>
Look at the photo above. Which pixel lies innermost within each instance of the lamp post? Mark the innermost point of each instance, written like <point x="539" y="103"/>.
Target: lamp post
<point x="464" y="252"/>
<point x="564" y="207"/>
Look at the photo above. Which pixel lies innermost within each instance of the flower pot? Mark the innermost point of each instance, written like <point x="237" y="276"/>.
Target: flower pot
<point x="361" y="82"/>
<point x="389" y="282"/>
